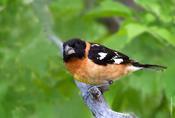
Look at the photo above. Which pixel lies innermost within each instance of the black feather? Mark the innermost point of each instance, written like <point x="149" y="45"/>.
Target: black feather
<point x="95" y="49"/>
<point x="149" y="66"/>
<point x="78" y="46"/>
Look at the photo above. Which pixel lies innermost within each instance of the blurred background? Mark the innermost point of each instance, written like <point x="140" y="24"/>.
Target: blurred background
<point x="33" y="80"/>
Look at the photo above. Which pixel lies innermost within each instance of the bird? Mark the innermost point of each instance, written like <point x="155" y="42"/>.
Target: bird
<point x="96" y="64"/>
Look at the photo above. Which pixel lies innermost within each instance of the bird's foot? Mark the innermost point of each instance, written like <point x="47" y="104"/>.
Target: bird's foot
<point x="94" y="92"/>
<point x="97" y="91"/>
<point x="105" y="87"/>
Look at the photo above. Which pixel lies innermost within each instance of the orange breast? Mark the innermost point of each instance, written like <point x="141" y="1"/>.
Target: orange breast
<point x="86" y="71"/>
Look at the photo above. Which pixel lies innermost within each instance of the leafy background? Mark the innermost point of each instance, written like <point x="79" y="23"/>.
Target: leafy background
<point x="33" y="80"/>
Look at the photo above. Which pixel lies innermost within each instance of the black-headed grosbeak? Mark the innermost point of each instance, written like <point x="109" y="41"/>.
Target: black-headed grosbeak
<point x="96" y="64"/>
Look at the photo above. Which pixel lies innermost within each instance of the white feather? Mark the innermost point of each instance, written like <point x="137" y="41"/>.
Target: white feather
<point x="102" y="55"/>
<point x="117" y="61"/>
<point x="134" y="68"/>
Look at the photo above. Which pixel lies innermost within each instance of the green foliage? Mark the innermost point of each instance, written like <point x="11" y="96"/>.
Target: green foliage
<point x="34" y="82"/>
<point x="109" y="8"/>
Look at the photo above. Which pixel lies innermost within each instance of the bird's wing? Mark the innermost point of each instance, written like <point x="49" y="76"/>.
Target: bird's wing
<point x="102" y="55"/>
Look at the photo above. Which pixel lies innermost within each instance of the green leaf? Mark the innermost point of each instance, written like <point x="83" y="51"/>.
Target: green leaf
<point x="109" y="8"/>
<point x="117" y="40"/>
<point x="134" y="30"/>
<point x="163" y="33"/>
<point x="161" y="10"/>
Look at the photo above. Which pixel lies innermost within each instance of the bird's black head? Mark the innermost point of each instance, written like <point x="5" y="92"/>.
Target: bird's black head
<point x="74" y="48"/>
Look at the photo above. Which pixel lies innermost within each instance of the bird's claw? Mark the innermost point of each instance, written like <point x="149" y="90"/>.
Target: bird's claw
<point x="105" y="87"/>
<point x="94" y="92"/>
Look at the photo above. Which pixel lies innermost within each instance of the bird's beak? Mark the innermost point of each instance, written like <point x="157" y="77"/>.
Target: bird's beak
<point x="69" y="50"/>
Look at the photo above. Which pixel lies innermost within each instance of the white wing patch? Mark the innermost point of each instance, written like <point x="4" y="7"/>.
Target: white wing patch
<point x="117" y="61"/>
<point x="102" y="55"/>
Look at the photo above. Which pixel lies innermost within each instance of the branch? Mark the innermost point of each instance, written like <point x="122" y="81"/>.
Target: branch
<point x="98" y="107"/>
<point x="57" y="41"/>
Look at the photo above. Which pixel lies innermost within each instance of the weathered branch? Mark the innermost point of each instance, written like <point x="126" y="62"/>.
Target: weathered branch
<point x="98" y="106"/>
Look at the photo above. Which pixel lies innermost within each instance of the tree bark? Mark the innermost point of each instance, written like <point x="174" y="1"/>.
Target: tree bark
<point x="98" y="106"/>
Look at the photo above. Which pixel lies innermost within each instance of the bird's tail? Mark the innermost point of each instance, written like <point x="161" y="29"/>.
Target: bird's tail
<point x="149" y="66"/>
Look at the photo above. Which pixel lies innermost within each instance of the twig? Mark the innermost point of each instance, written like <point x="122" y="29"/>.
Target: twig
<point x="56" y="41"/>
<point x="98" y="107"/>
